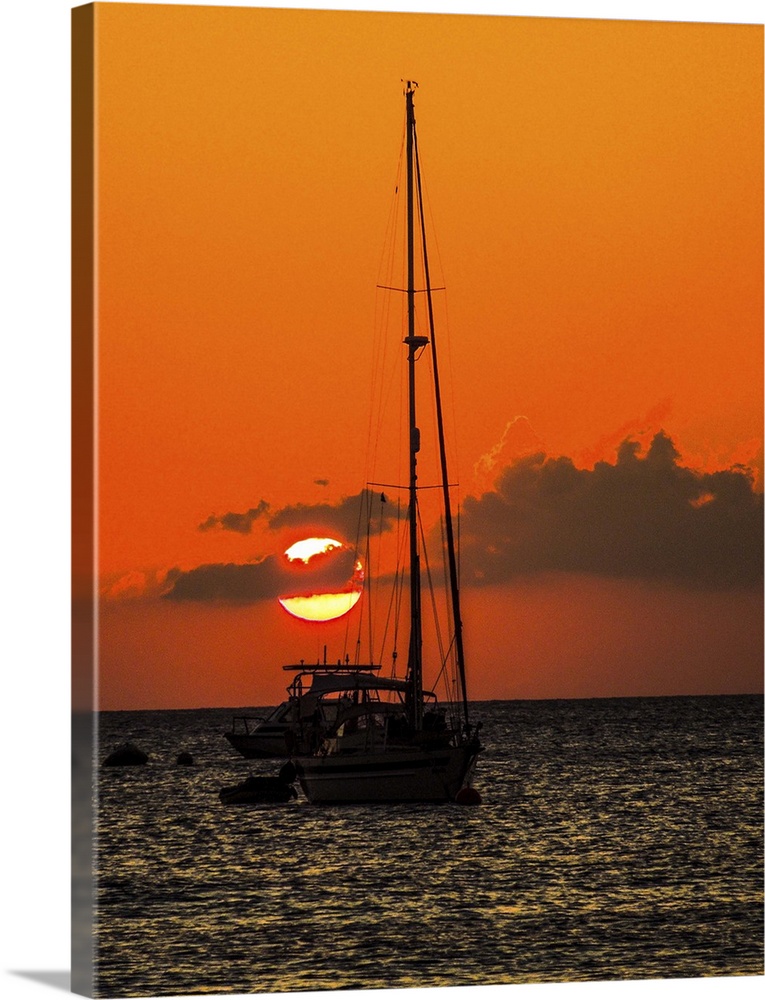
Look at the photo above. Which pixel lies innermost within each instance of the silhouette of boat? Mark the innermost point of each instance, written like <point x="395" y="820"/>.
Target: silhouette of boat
<point x="391" y="741"/>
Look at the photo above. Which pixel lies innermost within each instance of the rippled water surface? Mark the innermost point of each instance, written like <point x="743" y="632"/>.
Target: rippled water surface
<point x="617" y="839"/>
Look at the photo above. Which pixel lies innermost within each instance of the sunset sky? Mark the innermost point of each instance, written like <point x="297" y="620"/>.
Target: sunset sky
<point x="595" y="197"/>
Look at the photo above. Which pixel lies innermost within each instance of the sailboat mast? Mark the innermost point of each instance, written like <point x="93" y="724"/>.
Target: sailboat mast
<point x="414" y="343"/>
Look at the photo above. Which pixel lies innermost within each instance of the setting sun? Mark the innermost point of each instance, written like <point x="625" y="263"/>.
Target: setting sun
<point x="309" y="547"/>
<point x="324" y="605"/>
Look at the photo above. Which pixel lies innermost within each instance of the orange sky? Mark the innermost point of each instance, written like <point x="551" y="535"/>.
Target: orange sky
<point x="596" y="193"/>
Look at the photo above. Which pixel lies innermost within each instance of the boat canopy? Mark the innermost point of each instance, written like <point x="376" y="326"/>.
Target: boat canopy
<point x="327" y="683"/>
<point x="323" y="668"/>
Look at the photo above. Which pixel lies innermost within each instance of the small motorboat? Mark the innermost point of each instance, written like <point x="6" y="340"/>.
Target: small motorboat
<point x="257" y="788"/>
<point x="299" y="724"/>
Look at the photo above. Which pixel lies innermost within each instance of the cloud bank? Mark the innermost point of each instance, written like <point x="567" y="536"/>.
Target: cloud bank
<point x="645" y="517"/>
<point x="272" y="577"/>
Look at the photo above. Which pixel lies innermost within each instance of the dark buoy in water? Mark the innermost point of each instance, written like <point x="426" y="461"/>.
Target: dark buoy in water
<point x="184" y="758"/>
<point x="468" y="796"/>
<point x="125" y="755"/>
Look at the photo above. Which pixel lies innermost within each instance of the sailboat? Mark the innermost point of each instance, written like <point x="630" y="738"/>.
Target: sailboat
<point x="391" y="741"/>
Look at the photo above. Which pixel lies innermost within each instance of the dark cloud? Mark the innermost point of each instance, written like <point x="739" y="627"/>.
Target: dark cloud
<point x="270" y="578"/>
<point x="348" y="518"/>
<point x="645" y="516"/>
<point x="235" y="522"/>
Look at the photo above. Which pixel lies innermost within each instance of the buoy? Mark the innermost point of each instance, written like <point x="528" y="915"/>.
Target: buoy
<point x="126" y="755"/>
<point x="468" y="796"/>
<point x="184" y="758"/>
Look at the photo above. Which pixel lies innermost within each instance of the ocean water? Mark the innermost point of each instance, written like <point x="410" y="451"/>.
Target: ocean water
<point x="617" y="839"/>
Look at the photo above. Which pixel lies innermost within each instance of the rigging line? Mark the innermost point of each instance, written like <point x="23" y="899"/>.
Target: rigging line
<point x="459" y="541"/>
<point x="388" y="254"/>
<point x="380" y="380"/>
<point x="364" y="507"/>
<point x="442" y="452"/>
<point x="378" y="586"/>
<point x="442" y="671"/>
<point x="445" y="325"/>
<point x="393" y="212"/>
<point x="382" y="316"/>
<point x="377" y="577"/>
<point x="370" y="602"/>
<point x="451" y="393"/>
<point x="399" y="589"/>
<point x="398" y="202"/>
<point x="392" y="606"/>
<point x="444" y="560"/>
<point x="394" y="609"/>
<point x="389" y="385"/>
<point x="368" y="576"/>
<point x="431" y="589"/>
<point x="448" y="681"/>
<point x="443" y="655"/>
<point x="371" y="586"/>
<point x="378" y="360"/>
<point x="358" y="539"/>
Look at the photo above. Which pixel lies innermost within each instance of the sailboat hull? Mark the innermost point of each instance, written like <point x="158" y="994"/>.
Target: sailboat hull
<point x="406" y="775"/>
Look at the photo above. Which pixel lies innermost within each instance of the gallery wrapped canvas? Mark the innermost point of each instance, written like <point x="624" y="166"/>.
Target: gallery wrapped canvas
<point x="417" y="500"/>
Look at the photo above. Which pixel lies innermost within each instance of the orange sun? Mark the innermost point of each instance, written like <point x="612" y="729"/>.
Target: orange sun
<point x="322" y="603"/>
